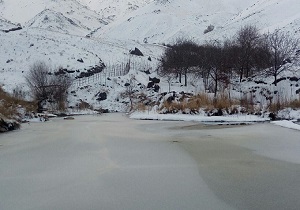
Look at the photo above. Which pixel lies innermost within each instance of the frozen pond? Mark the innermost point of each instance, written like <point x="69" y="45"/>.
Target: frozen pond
<point x="112" y="162"/>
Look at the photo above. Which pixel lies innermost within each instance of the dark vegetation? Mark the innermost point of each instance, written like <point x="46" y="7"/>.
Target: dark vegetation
<point x="247" y="54"/>
<point x="218" y="63"/>
<point x="47" y="87"/>
<point x="11" y="109"/>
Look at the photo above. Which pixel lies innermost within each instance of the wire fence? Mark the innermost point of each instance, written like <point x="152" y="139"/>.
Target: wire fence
<point x="111" y="70"/>
<point x="114" y="70"/>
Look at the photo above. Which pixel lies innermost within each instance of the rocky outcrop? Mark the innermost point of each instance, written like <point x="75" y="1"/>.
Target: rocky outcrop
<point x="8" y="125"/>
<point x="136" y="52"/>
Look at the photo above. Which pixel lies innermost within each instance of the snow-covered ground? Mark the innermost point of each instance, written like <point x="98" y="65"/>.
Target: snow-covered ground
<point x="62" y="33"/>
<point x="288" y="124"/>
<point x="198" y="118"/>
<point x="231" y="119"/>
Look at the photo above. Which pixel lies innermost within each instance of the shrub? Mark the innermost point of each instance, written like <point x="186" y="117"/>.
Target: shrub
<point x="46" y="86"/>
<point x="10" y="106"/>
<point x="295" y="104"/>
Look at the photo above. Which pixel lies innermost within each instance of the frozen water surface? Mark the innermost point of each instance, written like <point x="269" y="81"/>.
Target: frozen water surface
<point x="98" y="162"/>
<point x="113" y="162"/>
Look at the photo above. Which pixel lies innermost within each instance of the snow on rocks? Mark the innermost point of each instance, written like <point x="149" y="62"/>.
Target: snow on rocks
<point x="7" y="124"/>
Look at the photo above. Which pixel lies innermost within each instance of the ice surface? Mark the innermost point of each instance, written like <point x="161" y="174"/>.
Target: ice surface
<point x="104" y="162"/>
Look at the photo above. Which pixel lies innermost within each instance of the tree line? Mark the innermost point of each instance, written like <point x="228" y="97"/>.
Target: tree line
<point x="247" y="54"/>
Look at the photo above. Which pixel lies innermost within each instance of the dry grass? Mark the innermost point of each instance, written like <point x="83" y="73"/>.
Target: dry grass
<point x="174" y="107"/>
<point x="141" y="107"/>
<point x="82" y="105"/>
<point x="282" y="103"/>
<point x="10" y="105"/>
<point x="223" y="101"/>
<point x="195" y="103"/>
<point x="200" y="100"/>
<point x="295" y="104"/>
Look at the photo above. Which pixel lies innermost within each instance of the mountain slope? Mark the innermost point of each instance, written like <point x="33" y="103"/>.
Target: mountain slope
<point x="268" y="15"/>
<point x="114" y="9"/>
<point x="27" y="12"/>
<point x="81" y="34"/>
<point x="7" y="25"/>
<point x="56" y="21"/>
<point x="164" y="22"/>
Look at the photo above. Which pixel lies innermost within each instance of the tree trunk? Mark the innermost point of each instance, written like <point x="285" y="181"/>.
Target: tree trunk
<point x="185" y="78"/>
<point x="216" y="87"/>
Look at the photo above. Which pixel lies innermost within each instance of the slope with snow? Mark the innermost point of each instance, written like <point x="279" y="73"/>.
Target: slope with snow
<point x="114" y="9"/>
<point x="56" y="21"/>
<point x="165" y="22"/>
<point x="56" y="31"/>
<point x="268" y="16"/>
<point x="51" y="13"/>
<point x="7" y="25"/>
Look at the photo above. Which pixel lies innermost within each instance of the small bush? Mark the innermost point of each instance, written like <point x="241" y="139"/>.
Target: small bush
<point x="295" y="104"/>
<point x="82" y="105"/>
<point x="141" y="107"/>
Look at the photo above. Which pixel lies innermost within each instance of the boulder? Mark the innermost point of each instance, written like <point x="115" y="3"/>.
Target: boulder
<point x="154" y="79"/>
<point x="8" y="125"/>
<point x="136" y="52"/>
<point x="101" y="96"/>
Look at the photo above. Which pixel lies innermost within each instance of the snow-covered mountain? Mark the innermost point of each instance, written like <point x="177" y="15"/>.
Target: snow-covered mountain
<point x="56" y="21"/>
<point x="164" y="21"/>
<point x="6" y="25"/>
<point x="56" y="15"/>
<point x="114" y="9"/>
<point x="80" y="34"/>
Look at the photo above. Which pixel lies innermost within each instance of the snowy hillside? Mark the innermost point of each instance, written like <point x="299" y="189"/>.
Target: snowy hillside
<point x="22" y="48"/>
<point x="78" y="35"/>
<point x="268" y="16"/>
<point x="6" y="25"/>
<point x="52" y="14"/>
<point x="164" y="22"/>
<point x="114" y="9"/>
<point x="56" y="21"/>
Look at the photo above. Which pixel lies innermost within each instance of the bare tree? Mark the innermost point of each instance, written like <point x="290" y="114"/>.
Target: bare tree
<point x="130" y="91"/>
<point x="281" y="46"/>
<point x="59" y="85"/>
<point x="169" y="76"/>
<point x="243" y="49"/>
<point x="179" y="58"/>
<point x="38" y="81"/>
<point x="45" y="86"/>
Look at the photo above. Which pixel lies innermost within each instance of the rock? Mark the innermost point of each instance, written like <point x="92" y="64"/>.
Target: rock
<point x="147" y="72"/>
<point x="156" y="88"/>
<point x="154" y="79"/>
<point x="137" y="52"/>
<point x="69" y="118"/>
<point x="80" y="60"/>
<point x="101" y="96"/>
<point x="8" y="125"/>
<point x="272" y="116"/>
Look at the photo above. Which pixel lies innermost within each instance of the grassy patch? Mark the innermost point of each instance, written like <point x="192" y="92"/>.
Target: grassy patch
<point x="10" y="106"/>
